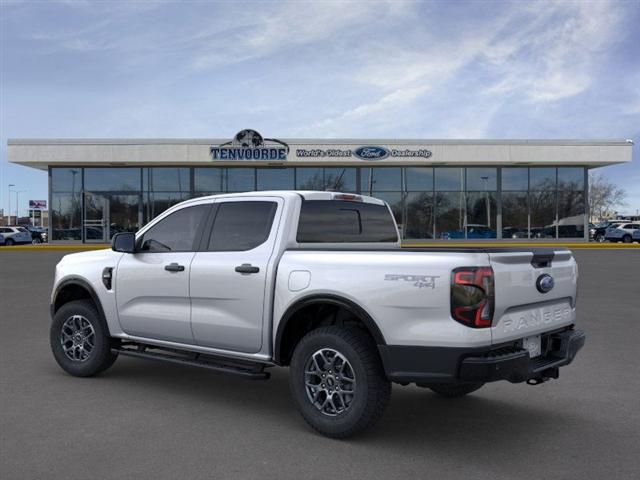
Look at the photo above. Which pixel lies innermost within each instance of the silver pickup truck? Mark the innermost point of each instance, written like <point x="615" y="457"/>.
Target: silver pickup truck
<point x="316" y="281"/>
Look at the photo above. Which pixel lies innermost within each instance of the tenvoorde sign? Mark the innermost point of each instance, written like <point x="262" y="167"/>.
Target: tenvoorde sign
<point x="249" y="145"/>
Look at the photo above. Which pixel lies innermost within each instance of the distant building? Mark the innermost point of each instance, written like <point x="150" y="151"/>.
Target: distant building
<point x="437" y="189"/>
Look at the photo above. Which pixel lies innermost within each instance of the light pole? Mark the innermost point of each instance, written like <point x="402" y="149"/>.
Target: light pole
<point x="9" y="212"/>
<point x="18" y="192"/>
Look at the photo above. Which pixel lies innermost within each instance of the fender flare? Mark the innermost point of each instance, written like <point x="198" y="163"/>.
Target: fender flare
<point x="80" y="282"/>
<point x="330" y="299"/>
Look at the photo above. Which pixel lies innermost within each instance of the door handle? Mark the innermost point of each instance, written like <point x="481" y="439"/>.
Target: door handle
<point x="247" y="268"/>
<point x="174" y="267"/>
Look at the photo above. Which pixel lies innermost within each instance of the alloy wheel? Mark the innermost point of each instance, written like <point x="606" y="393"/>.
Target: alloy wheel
<point x="330" y="382"/>
<point x="77" y="338"/>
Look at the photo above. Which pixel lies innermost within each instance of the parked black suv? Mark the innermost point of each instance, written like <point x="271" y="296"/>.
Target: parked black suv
<point x="38" y="234"/>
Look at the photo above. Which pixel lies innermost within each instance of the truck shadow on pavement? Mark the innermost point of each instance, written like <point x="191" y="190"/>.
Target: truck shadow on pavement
<point x="415" y="418"/>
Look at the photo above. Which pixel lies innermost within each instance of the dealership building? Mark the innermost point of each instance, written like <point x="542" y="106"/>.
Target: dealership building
<point x="437" y="189"/>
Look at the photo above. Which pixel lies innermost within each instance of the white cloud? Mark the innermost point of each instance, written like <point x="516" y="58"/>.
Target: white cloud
<point x="293" y="24"/>
<point x="553" y="56"/>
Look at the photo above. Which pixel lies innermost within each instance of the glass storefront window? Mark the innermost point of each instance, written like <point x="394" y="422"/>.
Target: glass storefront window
<point x="449" y="179"/>
<point x="156" y="203"/>
<point x="542" y="178"/>
<point x="241" y="179"/>
<point x="394" y="199"/>
<point x="571" y="214"/>
<point x="112" y="179"/>
<point x="449" y="207"/>
<point x="571" y="178"/>
<point x="482" y="179"/>
<point x="208" y="179"/>
<point x="275" y="178"/>
<point x="340" y="179"/>
<point x="428" y="202"/>
<point x="167" y="179"/>
<point x="481" y="215"/>
<point x="381" y="179"/>
<point x="419" y="215"/>
<point x="66" y="179"/>
<point x="418" y="179"/>
<point x="515" y="179"/>
<point x="543" y="214"/>
<point x="309" y="179"/>
<point x="66" y="216"/>
<point x="515" y="215"/>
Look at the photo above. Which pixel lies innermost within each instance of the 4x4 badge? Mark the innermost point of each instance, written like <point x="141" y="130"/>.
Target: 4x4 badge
<point x="420" y="281"/>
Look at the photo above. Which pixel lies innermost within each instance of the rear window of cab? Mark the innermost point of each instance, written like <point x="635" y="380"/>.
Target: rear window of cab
<point x="341" y="221"/>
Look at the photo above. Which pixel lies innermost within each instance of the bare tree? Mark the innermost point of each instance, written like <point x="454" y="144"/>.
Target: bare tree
<point x="604" y="196"/>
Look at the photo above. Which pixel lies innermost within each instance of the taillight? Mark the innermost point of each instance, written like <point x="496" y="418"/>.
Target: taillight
<point x="472" y="298"/>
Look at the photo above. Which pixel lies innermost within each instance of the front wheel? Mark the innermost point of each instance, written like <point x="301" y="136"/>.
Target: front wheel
<point x="80" y="339"/>
<point x="337" y="381"/>
<point x="9" y="242"/>
<point x="36" y="241"/>
<point x="599" y="238"/>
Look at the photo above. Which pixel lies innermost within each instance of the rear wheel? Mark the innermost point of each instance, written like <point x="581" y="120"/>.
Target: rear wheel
<point x="337" y="381"/>
<point x="80" y="339"/>
<point x="626" y="239"/>
<point x="453" y="390"/>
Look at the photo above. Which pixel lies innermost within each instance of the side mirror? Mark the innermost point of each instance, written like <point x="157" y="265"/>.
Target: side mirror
<point x="124" y="242"/>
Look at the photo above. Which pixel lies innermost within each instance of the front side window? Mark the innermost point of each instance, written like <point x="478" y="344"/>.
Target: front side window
<point x="177" y="232"/>
<point x="241" y="226"/>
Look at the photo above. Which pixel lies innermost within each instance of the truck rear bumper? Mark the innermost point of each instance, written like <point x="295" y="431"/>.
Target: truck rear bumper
<point x="407" y="364"/>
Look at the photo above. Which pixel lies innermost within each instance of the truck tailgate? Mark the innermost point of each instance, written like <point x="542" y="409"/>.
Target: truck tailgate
<point x="523" y="309"/>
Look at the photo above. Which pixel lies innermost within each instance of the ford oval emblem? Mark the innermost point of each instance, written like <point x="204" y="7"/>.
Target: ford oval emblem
<point x="544" y="283"/>
<point x="371" y="153"/>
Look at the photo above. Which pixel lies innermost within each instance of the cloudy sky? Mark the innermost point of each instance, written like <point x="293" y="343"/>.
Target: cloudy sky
<point x="319" y="69"/>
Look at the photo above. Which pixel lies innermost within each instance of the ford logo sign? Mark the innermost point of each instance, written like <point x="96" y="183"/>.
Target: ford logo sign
<point x="371" y="153"/>
<point x="544" y="283"/>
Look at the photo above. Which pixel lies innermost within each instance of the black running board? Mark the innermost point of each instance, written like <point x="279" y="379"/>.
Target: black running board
<point x="245" y="369"/>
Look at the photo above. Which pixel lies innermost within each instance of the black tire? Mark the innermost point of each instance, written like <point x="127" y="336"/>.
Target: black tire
<point x="100" y="357"/>
<point x="372" y="389"/>
<point x="626" y="239"/>
<point x="599" y="238"/>
<point x="9" y="242"/>
<point x="36" y="241"/>
<point x="453" y="390"/>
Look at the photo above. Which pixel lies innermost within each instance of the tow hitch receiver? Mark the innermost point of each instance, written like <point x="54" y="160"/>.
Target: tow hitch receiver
<point x="545" y="376"/>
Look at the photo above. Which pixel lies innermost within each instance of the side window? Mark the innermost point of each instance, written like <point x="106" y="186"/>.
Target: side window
<point x="341" y="221"/>
<point x="241" y="226"/>
<point x="176" y="233"/>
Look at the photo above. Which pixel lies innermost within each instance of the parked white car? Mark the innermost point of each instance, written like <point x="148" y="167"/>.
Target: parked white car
<point x="15" y="235"/>
<point x="318" y="282"/>
<point x="623" y="232"/>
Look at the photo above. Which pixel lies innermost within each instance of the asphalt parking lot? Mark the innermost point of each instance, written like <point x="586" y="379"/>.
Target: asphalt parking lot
<point x="149" y="420"/>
